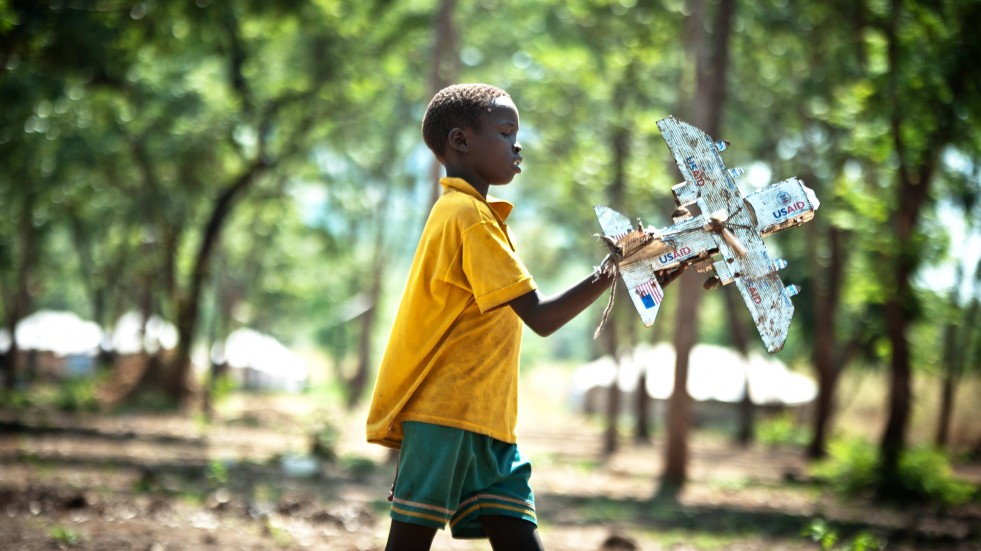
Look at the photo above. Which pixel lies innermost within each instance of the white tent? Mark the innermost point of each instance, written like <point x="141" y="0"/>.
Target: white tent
<point x="68" y="344"/>
<point x="259" y="361"/>
<point x="62" y="333"/>
<point x="131" y="335"/>
<point x="715" y="373"/>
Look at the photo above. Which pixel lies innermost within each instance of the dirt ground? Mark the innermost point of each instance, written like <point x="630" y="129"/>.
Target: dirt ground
<point x="243" y="481"/>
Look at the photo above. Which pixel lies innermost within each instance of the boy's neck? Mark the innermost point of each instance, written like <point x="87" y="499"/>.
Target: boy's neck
<point x="481" y="187"/>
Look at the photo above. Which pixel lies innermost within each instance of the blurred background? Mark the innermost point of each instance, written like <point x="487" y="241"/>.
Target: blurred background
<point x="208" y="209"/>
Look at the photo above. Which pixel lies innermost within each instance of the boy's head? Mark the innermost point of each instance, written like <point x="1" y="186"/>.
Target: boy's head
<point x="456" y="106"/>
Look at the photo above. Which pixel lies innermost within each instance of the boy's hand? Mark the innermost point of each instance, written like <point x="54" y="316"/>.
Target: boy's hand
<point x="665" y="277"/>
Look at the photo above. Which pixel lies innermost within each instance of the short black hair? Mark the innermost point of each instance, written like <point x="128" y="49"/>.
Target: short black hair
<point x="458" y="105"/>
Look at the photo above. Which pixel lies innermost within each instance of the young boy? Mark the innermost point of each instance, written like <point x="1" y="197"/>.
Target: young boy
<point x="446" y="393"/>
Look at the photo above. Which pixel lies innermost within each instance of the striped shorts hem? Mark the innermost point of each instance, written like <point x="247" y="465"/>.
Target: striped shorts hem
<point x="450" y="476"/>
<point x="465" y="522"/>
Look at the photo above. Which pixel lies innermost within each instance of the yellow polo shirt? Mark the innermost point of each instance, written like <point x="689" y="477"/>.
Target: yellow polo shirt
<point x="452" y="357"/>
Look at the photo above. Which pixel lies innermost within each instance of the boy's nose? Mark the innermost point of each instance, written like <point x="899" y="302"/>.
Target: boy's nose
<point x="517" y="147"/>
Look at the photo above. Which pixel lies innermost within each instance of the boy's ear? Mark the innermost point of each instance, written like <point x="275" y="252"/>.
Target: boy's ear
<point x="458" y="140"/>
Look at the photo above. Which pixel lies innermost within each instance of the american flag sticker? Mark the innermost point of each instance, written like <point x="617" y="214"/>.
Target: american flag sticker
<point x="650" y="294"/>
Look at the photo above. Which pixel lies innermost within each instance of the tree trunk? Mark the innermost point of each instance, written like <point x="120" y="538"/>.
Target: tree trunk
<point x="711" y="53"/>
<point x="917" y="161"/>
<point x="217" y="336"/>
<point x="20" y="298"/>
<point x="951" y="353"/>
<point x="827" y="365"/>
<point x="642" y="407"/>
<point x="913" y="183"/>
<point x="611" y="345"/>
<point x="947" y="386"/>
<point x="679" y="404"/>
<point x="957" y="352"/>
<point x="616" y="193"/>
<point x="897" y="316"/>
<point x="446" y="67"/>
<point x="900" y="393"/>
<point x="177" y="383"/>
<point x="356" y="384"/>
<point x="613" y="341"/>
<point x="912" y="197"/>
<point x="740" y="340"/>
<point x="611" y="438"/>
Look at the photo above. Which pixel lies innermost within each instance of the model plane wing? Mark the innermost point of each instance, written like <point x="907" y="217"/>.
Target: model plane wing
<point x="737" y="227"/>
<point x="639" y="277"/>
<point x="769" y="303"/>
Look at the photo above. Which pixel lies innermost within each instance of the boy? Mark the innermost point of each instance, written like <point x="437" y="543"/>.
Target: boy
<point x="446" y="393"/>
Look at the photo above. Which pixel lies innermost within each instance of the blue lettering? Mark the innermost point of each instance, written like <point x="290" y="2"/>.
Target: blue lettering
<point x="786" y="211"/>
<point x="695" y="173"/>
<point x="678" y="254"/>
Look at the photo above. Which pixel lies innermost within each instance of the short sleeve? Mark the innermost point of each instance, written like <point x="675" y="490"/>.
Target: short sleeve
<point x="493" y="270"/>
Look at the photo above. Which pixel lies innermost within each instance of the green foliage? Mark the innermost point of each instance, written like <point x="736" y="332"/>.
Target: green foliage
<point x="222" y="388"/>
<point x="925" y="475"/>
<point x="358" y="467"/>
<point x="70" y="395"/>
<point x="16" y="399"/>
<point x="76" y="395"/>
<point x="782" y="429"/>
<point x="324" y="437"/>
<point x="827" y="536"/>
<point x="65" y="536"/>
<point x="217" y="472"/>
<point x="149" y="401"/>
<point x="851" y="469"/>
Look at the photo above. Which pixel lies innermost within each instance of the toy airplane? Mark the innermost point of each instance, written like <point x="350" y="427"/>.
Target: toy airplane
<point x="724" y="234"/>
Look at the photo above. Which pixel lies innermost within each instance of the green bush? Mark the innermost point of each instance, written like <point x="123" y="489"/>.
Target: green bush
<point x="16" y="399"/>
<point x="65" y="536"/>
<point x="852" y="469"/>
<point x="924" y="473"/>
<point x="76" y="395"/>
<point x="217" y="472"/>
<point x="826" y="535"/>
<point x="358" y="467"/>
<point x="781" y="429"/>
<point x="323" y="441"/>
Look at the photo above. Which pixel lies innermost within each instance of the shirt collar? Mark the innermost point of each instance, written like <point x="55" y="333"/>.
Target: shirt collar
<point x="500" y="206"/>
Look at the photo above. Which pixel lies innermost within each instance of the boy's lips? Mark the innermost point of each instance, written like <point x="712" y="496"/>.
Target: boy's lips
<point x="517" y="164"/>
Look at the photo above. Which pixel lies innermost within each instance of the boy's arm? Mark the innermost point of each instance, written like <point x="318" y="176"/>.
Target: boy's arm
<point x="545" y="315"/>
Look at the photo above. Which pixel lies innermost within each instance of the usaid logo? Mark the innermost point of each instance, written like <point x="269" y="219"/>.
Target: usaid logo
<point x="789" y="207"/>
<point x="677" y="254"/>
<point x="696" y="174"/>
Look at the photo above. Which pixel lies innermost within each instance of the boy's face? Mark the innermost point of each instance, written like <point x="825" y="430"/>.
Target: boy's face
<point x="495" y="154"/>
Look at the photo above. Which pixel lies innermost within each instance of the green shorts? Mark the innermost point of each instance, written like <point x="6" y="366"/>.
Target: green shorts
<point x="454" y="476"/>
